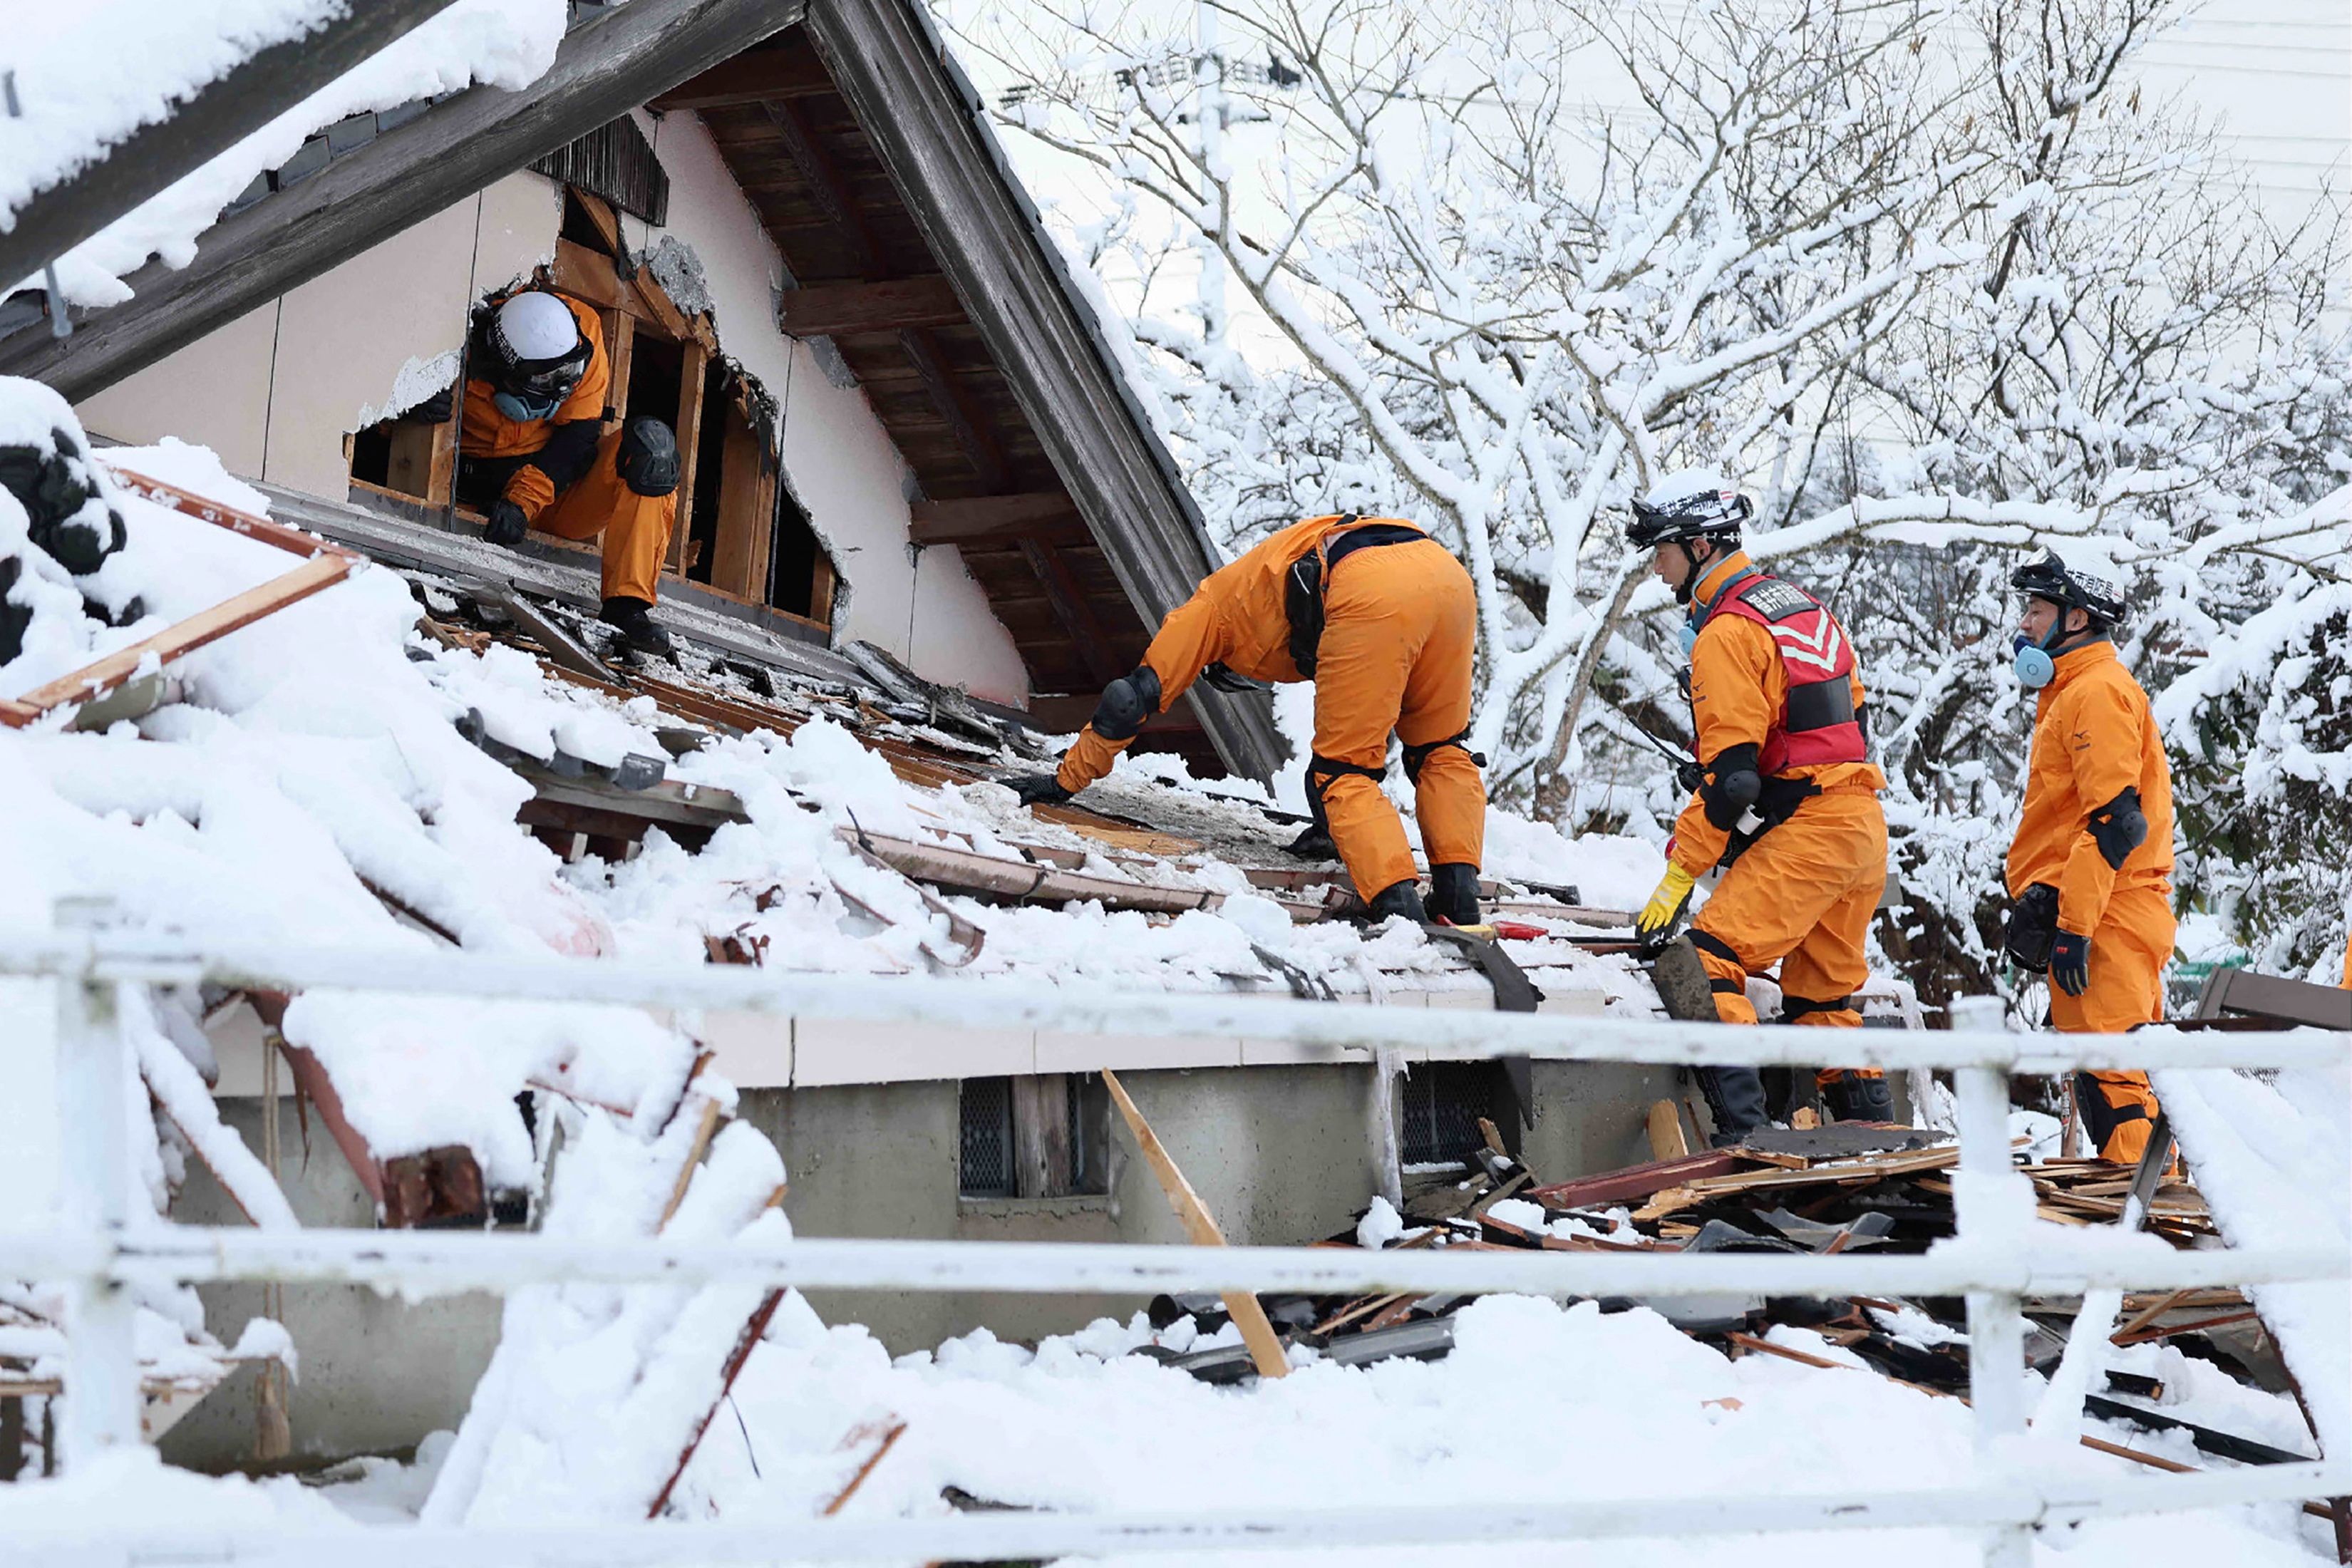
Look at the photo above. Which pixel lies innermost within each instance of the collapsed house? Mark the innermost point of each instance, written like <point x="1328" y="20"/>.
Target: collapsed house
<point x="923" y="521"/>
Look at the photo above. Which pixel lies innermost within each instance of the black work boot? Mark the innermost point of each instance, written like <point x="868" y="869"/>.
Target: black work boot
<point x="1399" y="899"/>
<point x="1852" y="1097"/>
<point x="632" y="618"/>
<point x="1736" y="1096"/>
<point x="1313" y="843"/>
<point x="1453" y="893"/>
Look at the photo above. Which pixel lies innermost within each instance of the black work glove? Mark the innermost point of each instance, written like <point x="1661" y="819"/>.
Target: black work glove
<point x="434" y="410"/>
<point x="2031" y="925"/>
<point x="2070" y="962"/>
<point x="1037" y="789"/>
<point x="507" y="525"/>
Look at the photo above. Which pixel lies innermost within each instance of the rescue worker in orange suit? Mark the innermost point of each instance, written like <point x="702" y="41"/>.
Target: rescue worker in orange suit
<point x="533" y="452"/>
<point x="1384" y="619"/>
<point x="1784" y="795"/>
<point x="2091" y="867"/>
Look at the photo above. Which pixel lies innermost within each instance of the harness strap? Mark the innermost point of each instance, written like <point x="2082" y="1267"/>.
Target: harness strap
<point x="1323" y="771"/>
<point x="1417" y="757"/>
<point x="1795" y="1008"/>
<point x="1708" y="942"/>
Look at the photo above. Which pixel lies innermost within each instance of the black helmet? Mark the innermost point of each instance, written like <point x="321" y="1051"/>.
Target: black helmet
<point x="1694" y="504"/>
<point x="2046" y="576"/>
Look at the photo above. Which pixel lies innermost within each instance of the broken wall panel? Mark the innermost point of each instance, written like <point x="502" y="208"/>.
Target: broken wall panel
<point x="276" y="391"/>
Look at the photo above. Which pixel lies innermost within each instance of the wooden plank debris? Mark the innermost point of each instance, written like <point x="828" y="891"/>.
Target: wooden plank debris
<point x="1257" y="1333"/>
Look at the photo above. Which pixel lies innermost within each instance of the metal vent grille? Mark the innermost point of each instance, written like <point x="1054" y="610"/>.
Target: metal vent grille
<point x="984" y="1138"/>
<point x="1443" y="1103"/>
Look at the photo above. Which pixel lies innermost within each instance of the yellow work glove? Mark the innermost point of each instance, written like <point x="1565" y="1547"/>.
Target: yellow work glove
<point x="1656" y="921"/>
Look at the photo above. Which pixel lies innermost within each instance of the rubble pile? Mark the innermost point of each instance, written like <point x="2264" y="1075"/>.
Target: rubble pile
<point x="1822" y="1190"/>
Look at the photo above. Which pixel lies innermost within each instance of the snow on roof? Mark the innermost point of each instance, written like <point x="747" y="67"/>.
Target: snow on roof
<point x="89" y="75"/>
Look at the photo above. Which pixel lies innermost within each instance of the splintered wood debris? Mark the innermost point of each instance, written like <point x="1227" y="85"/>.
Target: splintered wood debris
<point x="1822" y="1192"/>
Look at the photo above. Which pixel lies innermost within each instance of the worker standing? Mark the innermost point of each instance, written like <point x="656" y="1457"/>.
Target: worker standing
<point x="1787" y="800"/>
<point x="1384" y="619"/>
<point x="533" y="453"/>
<point x="2091" y="867"/>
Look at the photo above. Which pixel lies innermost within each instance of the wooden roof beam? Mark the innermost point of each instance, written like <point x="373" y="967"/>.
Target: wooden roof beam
<point x="825" y="183"/>
<point x="1000" y="520"/>
<point x="215" y="118"/>
<point x="602" y="68"/>
<point x="1073" y="610"/>
<point x="966" y="422"/>
<point x="888" y="305"/>
<point x="760" y="76"/>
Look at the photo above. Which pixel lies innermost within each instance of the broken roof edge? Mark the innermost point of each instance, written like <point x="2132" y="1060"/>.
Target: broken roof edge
<point x="889" y="61"/>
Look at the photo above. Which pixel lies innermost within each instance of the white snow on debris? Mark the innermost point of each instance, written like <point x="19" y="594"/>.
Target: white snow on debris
<point x="159" y="54"/>
<point x="2274" y="1160"/>
<point x="1537" y="1401"/>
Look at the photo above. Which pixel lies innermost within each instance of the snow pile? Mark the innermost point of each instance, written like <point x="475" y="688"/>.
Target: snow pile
<point x="1537" y="1401"/>
<point x="2275" y="1161"/>
<point x="159" y="54"/>
<point x="595" y="1392"/>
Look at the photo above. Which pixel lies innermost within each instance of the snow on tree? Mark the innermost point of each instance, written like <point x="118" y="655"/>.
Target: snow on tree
<point x="1937" y="282"/>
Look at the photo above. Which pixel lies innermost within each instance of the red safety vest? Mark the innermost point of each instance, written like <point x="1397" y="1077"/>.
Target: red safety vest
<point x="1817" y="723"/>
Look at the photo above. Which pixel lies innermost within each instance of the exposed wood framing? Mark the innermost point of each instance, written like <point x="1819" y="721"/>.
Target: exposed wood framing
<point x="883" y="306"/>
<point x="999" y="519"/>
<point x="826" y="186"/>
<point x="966" y="422"/>
<point x="759" y="76"/>
<point x="694" y="364"/>
<point x="602" y="70"/>
<point x="925" y="121"/>
<point x="1071" y="608"/>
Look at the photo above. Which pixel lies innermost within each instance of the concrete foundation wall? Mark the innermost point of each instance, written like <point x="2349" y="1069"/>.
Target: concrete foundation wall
<point x="1280" y="1154"/>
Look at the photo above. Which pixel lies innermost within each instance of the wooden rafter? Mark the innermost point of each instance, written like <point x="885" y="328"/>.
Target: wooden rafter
<point x="1049" y="515"/>
<point x="885" y="306"/>
<point x="758" y="76"/>
<point x="1071" y="608"/>
<point x="826" y="186"/>
<point x="966" y="422"/>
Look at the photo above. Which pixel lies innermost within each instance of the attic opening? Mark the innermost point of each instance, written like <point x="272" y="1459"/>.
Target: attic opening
<point x="739" y="532"/>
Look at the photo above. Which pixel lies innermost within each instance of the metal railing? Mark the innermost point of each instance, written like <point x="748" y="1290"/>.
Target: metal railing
<point x="1992" y="1260"/>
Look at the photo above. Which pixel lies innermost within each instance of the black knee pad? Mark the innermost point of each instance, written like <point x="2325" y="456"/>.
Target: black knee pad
<point x="648" y="459"/>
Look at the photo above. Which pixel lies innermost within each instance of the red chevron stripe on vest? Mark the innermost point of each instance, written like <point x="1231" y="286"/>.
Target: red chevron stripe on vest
<point x="1818" y="724"/>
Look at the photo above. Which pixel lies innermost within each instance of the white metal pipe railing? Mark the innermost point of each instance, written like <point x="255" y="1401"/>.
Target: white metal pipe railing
<point x="437" y="1262"/>
<point x="2019" y="1505"/>
<point x="1989" y="1261"/>
<point x="1098" y="1009"/>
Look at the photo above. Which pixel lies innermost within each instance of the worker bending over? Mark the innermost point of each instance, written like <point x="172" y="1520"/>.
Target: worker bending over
<point x="2091" y="867"/>
<point x="1787" y="801"/>
<point x="533" y="452"/>
<point x="1383" y="620"/>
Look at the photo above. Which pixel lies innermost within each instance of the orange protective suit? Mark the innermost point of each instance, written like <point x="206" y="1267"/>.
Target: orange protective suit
<point x="1802" y="894"/>
<point x="636" y="529"/>
<point x="1399" y="632"/>
<point x="2095" y="736"/>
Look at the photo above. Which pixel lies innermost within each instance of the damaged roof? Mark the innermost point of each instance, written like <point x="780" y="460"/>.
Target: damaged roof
<point x="916" y="250"/>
